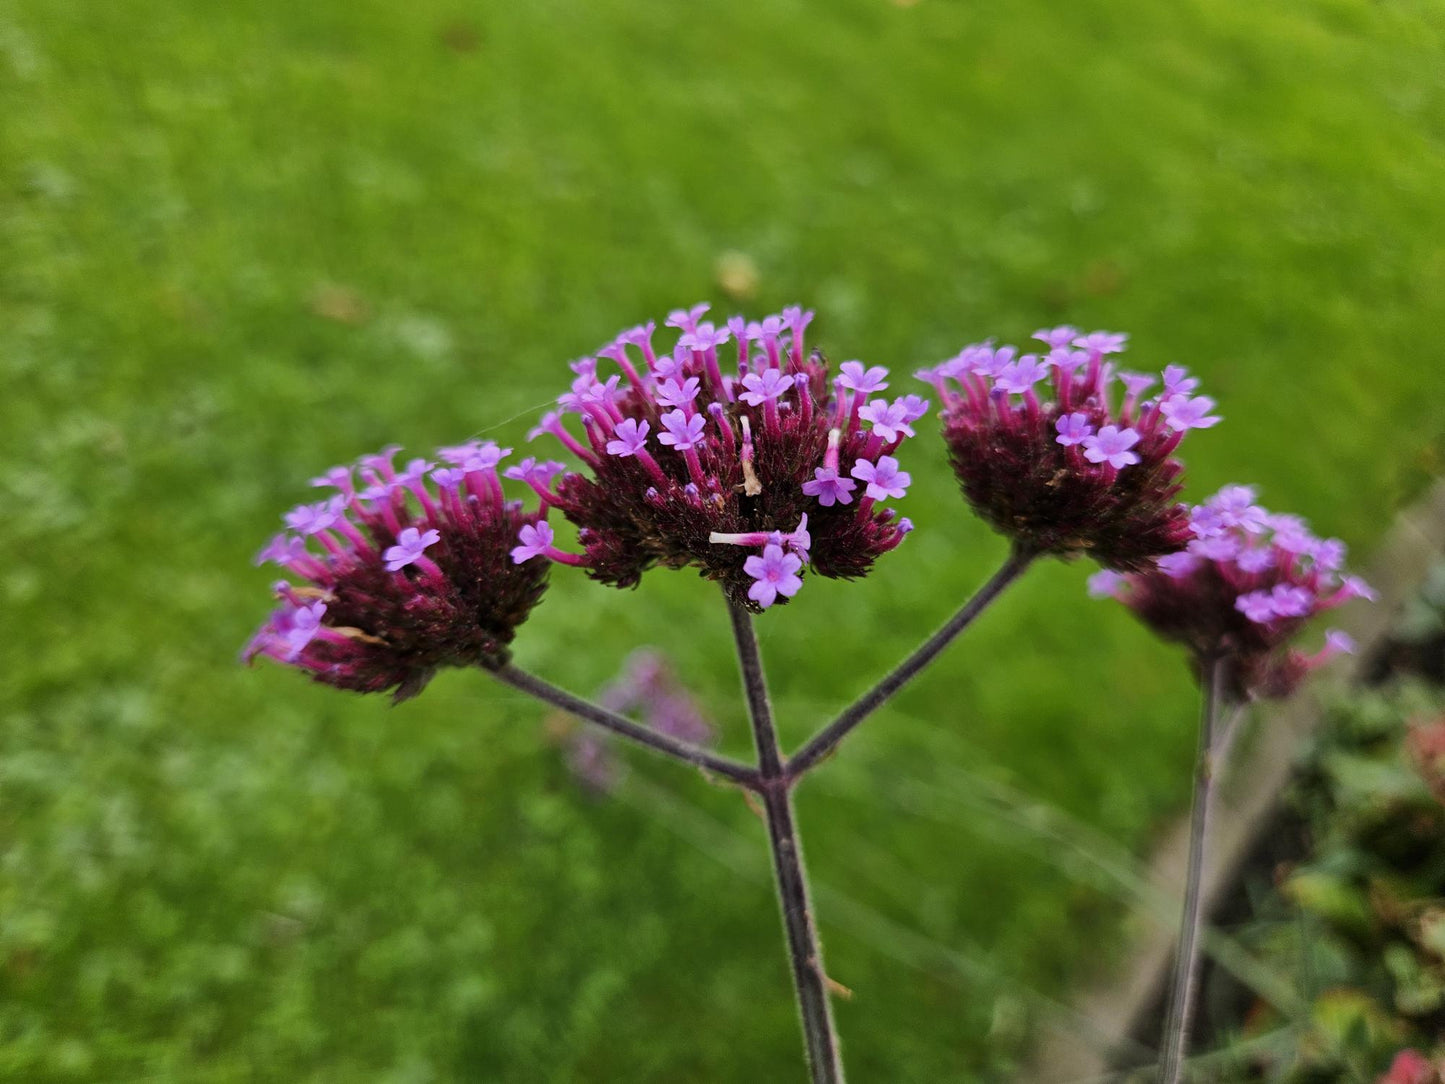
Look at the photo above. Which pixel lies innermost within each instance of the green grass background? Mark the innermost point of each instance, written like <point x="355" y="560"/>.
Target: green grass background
<point x="214" y="874"/>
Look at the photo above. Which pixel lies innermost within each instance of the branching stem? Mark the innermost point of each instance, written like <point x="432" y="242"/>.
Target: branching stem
<point x="827" y="739"/>
<point x="805" y="953"/>
<point x="657" y="742"/>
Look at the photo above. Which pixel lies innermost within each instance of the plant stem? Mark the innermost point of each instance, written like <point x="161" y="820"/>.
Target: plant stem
<point x="1185" y="990"/>
<point x="652" y="739"/>
<point x="827" y="739"/>
<point x="804" y="951"/>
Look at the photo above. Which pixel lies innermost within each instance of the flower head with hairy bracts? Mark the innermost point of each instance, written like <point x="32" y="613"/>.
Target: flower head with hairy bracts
<point x="749" y="475"/>
<point x="1045" y="456"/>
<point x="648" y="689"/>
<point x="1241" y="591"/>
<point x="410" y="572"/>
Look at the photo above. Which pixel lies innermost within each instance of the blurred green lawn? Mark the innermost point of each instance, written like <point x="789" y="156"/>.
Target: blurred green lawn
<point x="245" y="241"/>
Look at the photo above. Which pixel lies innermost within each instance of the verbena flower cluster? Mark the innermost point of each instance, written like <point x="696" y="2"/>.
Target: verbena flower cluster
<point x="401" y="572"/>
<point x="648" y="689"/>
<point x="1242" y="590"/>
<point x="1062" y="452"/>
<point x="736" y="452"/>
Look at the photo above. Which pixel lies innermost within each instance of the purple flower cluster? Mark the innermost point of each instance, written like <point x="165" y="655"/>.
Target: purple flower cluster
<point x="748" y="471"/>
<point x="1241" y="590"/>
<point x="1050" y="454"/>
<point x="402" y="572"/>
<point x="648" y="688"/>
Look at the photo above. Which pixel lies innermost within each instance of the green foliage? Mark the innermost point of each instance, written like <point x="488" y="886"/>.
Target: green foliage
<point x="1358" y="925"/>
<point x="243" y="241"/>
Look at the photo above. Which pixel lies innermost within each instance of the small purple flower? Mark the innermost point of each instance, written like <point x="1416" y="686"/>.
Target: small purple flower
<point x="797" y="318"/>
<point x="687" y="319"/>
<point x="890" y="420"/>
<point x="914" y="407"/>
<point x="777" y="574"/>
<point x="303" y="625"/>
<point x="1255" y="560"/>
<point x="548" y="423"/>
<point x="1338" y="642"/>
<point x="532" y="471"/>
<point x="536" y="541"/>
<point x="1057" y="337"/>
<point x="1257" y="606"/>
<point x="630" y="437"/>
<point x="410" y="545"/>
<point x="985" y="360"/>
<point x="285" y="548"/>
<point x="1354" y="587"/>
<point x="1102" y="342"/>
<point x="449" y="478"/>
<point x="829" y="488"/>
<point x="639" y="336"/>
<point x="852" y="376"/>
<point x="671" y="393"/>
<point x="1294" y="538"/>
<point x="601" y="392"/>
<point x="1224" y="546"/>
<point x="475" y="455"/>
<point x="1232" y="506"/>
<point x="337" y="478"/>
<point x="1073" y="428"/>
<point x="884" y="479"/>
<point x="670" y="367"/>
<point x="1105" y="583"/>
<point x="1328" y="554"/>
<point x="1291" y="601"/>
<point x="414" y="473"/>
<point x="769" y="384"/>
<point x="798" y="539"/>
<point x="1066" y="361"/>
<point x="1178" y="565"/>
<point x="705" y="337"/>
<point x="314" y="518"/>
<point x="1019" y="376"/>
<point x="1177" y="381"/>
<point x="1111" y="445"/>
<point x="682" y="432"/>
<point x="1135" y="384"/>
<point x="379" y="465"/>
<point x="1182" y="413"/>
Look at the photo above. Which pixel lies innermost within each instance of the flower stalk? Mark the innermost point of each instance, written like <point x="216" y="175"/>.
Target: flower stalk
<point x="827" y="739"/>
<point x="805" y="953"/>
<point x="1185" y="990"/>
<point x="654" y="740"/>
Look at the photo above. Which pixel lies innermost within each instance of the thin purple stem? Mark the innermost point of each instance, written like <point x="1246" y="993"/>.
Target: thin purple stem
<point x="595" y="713"/>
<point x="827" y="739"/>
<point x="1185" y="991"/>
<point x="804" y="950"/>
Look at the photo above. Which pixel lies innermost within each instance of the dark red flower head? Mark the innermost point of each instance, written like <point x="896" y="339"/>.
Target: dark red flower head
<point x="401" y="577"/>
<point x="1045" y="457"/>
<point x="748" y="475"/>
<point x="1241" y="591"/>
